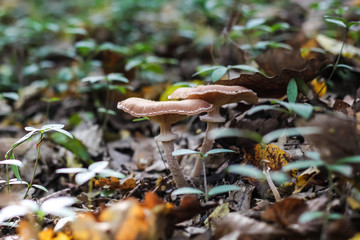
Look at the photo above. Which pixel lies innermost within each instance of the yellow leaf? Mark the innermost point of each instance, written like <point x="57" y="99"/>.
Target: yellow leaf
<point x="355" y="205"/>
<point x="319" y="85"/>
<point x="304" y="178"/>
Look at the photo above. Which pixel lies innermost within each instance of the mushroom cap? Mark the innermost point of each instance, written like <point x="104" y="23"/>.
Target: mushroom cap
<point x="170" y="111"/>
<point x="216" y="94"/>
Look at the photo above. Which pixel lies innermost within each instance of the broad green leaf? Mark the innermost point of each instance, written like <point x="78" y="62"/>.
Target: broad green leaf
<point x="344" y="66"/>
<point x="40" y="187"/>
<point x="133" y="63"/>
<point x="208" y="69"/>
<point x="302" y="109"/>
<point x="336" y="20"/>
<point x="264" y="108"/>
<point x="279" y="177"/>
<point x="117" y="77"/>
<point x="107" y="111"/>
<point x="59" y="206"/>
<point x="303" y="87"/>
<point x="12" y="211"/>
<point x="244" y="68"/>
<point x="288" y="132"/>
<point x="71" y="170"/>
<point x="218" y="150"/>
<point x="292" y="91"/>
<point x="180" y="152"/>
<point x="83" y="177"/>
<point x="60" y="130"/>
<point x="255" y="22"/>
<point x="186" y="190"/>
<point x="352" y="159"/>
<point x="313" y="155"/>
<point x="233" y="132"/>
<point x="110" y="173"/>
<point x="345" y="170"/>
<point x="353" y="23"/>
<point x="218" y="73"/>
<point x="85" y="47"/>
<point x="309" y="216"/>
<point x="93" y="79"/>
<point x="16" y="172"/>
<point x="13" y="162"/>
<point x="301" y="164"/>
<point x="223" y="189"/>
<point x="23" y="139"/>
<point x="49" y="127"/>
<point x="246" y="170"/>
<point x="97" y="166"/>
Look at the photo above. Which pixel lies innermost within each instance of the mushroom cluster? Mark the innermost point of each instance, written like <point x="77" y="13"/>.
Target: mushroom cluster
<point x="200" y="99"/>
<point x="166" y="113"/>
<point x="217" y="95"/>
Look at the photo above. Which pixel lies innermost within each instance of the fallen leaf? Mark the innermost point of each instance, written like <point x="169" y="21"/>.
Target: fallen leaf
<point x="319" y="86"/>
<point x="220" y="211"/>
<point x="114" y="183"/>
<point x="304" y="178"/>
<point x="275" y="86"/>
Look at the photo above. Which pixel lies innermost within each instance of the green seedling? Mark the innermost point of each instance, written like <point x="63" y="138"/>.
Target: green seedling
<point x="15" y="164"/>
<point x="32" y="132"/>
<point x="341" y="166"/>
<point x="213" y="191"/>
<point x="84" y="175"/>
<point x="55" y="206"/>
<point x="345" y="25"/>
<point x="218" y="72"/>
<point x="49" y="101"/>
<point x="303" y="109"/>
<point x="107" y="82"/>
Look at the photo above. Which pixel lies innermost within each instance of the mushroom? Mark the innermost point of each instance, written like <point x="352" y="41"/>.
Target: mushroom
<point x="166" y="113"/>
<point x="217" y="95"/>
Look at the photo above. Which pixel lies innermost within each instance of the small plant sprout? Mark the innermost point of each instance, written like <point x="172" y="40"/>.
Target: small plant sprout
<point x="107" y="82"/>
<point x="32" y="132"/>
<point x="14" y="165"/>
<point x="217" y="95"/>
<point x="166" y="113"/>
<point x="213" y="191"/>
<point x="217" y="72"/>
<point x="87" y="174"/>
<point x="55" y="206"/>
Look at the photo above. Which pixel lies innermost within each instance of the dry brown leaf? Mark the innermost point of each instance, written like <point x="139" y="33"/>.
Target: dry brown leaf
<point x="115" y="184"/>
<point x="304" y="178"/>
<point x="275" y="86"/>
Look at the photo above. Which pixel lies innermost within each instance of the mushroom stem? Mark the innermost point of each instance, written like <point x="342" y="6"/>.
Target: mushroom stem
<point x="270" y="181"/>
<point x="206" y="146"/>
<point x="174" y="166"/>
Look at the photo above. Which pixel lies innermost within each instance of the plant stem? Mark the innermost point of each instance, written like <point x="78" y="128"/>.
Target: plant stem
<point x="35" y="167"/>
<point x="328" y="208"/>
<point x="90" y="192"/>
<point x="206" y="146"/>
<point x="7" y="179"/>
<point x="336" y="62"/>
<point x="174" y="166"/>
<point x="205" y="180"/>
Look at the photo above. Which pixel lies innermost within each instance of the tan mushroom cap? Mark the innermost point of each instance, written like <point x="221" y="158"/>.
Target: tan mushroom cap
<point x="165" y="112"/>
<point x="216" y="94"/>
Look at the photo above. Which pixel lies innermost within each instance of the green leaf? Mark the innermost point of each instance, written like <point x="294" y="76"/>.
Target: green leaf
<point x="233" y="132"/>
<point x="336" y="20"/>
<point x="292" y="91"/>
<point x="244" y="68"/>
<point x="64" y="132"/>
<point x="186" y="190"/>
<point x="218" y="73"/>
<point x="83" y="177"/>
<point x="71" y="170"/>
<point x="303" y="87"/>
<point x="223" y="189"/>
<point x="13" y="162"/>
<point x="140" y="119"/>
<point x="279" y="177"/>
<point x="133" y="63"/>
<point x="85" y="47"/>
<point x="40" y="187"/>
<point x="352" y="159"/>
<point x="264" y="108"/>
<point x="344" y="66"/>
<point x="93" y="79"/>
<point x="16" y="172"/>
<point x="345" y="170"/>
<point x="181" y="152"/>
<point x="309" y="216"/>
<point x="110" y="173"/>
<point x="301" y="164"/>
<point x="218" y="150"/>
<point x="246" y="170"/>
<point x="288" y="132"/>
<point x="313" y="155"/>
<point x="97" y="166"/>
<point x="304" y="110"/>
<point x="353" y="23"/>
<point x="117" y="77"/>
<point x="208" y="69"/>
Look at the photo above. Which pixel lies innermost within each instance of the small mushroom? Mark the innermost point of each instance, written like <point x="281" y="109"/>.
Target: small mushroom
<point x="166" y="113"/>
<point x="217" y="95"/>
